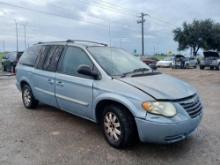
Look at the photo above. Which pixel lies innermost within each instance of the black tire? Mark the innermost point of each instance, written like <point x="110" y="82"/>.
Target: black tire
<point x="218" y="67"/>
<point x="211" y="67"/>
<point x="4" y="68"/>
<point x="128" y="135"/>
<point x="202" y="67"/>
<point x="31" y="102"/>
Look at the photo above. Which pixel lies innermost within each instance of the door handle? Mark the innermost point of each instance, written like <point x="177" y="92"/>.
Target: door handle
<point x="50" y="81"/>
<point x="59" y="83"/>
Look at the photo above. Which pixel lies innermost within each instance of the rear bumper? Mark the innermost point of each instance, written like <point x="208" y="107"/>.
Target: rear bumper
<point x="166" y="133"/>
<point x="209" y="65"/>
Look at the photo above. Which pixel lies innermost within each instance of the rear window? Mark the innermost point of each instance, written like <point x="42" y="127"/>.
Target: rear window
<point x="30" y="55"/>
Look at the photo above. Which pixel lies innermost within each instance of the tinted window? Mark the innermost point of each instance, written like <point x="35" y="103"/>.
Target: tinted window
<point x="53" y="58"/>
<point x="41" y="57"/>
<point x="73" y="58"/>
<point x="29" y="56"/>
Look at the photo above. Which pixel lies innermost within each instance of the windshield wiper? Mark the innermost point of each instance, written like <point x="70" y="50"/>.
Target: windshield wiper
<point x="140" y="70"/>
<point x="134" y="71"/>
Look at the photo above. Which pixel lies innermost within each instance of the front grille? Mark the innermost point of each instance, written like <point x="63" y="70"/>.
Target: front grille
<point x="192" y="106"/>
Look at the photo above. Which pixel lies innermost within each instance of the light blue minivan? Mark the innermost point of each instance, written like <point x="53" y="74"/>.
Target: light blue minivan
<point x="111" y="87"/>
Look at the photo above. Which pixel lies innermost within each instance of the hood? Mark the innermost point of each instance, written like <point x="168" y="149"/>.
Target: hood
<point x="161" y="86"/>
<point x="210" y="54"/>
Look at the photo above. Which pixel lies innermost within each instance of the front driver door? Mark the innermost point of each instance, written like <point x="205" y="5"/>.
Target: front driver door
<point x="74" y="91"/>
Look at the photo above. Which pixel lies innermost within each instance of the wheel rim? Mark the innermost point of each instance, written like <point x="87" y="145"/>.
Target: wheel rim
<point x="27" y="97"/>
<point x="112" y="127"/>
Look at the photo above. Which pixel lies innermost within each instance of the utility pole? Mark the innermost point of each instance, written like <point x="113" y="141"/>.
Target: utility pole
<point x="16" y="28"/>
<point x="142" y="29"/>
<point x="25" y="37"/>
<point x="110" y="36"/>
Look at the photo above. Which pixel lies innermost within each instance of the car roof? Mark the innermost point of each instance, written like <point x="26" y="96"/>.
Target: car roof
<point x="81" y="43"/>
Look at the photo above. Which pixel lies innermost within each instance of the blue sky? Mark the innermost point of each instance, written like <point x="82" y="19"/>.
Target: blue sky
<point x="101" y="20"/>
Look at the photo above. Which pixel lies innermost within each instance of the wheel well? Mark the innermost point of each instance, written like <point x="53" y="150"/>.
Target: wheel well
<point x="100" y="107"/>
<point x="23" y="83"/>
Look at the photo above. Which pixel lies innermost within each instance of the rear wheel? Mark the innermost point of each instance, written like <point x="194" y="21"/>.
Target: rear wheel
<point x="27" y="97"/>
<point x="202" y="67"/>
<point x="118" y="126"/>
<point x="4" y="68"/>
<point x="218" y="67"/>
<point x="211" y="67"/>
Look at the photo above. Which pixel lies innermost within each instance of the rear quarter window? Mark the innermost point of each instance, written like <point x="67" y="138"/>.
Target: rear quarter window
<point x="30" y="55"/>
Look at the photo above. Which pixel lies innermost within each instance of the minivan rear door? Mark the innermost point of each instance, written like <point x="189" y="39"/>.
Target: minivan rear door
<point x="44" y="74"/>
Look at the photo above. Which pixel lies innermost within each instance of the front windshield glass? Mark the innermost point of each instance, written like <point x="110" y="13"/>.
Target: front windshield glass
<point x="115" y="61"/>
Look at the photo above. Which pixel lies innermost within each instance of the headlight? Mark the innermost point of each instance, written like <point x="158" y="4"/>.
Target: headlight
<point x="160" y="108"/>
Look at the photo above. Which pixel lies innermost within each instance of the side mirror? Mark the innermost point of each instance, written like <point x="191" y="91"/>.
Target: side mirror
<point x="86" y="70"/>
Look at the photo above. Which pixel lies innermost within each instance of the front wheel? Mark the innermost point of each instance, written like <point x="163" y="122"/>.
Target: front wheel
<point x="118" y="126"/>
<point x="27" y="97"/>
<point x="218" y="67"/>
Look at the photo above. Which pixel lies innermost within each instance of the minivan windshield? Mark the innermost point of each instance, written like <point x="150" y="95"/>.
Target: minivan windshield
<point x="117" y="62"/>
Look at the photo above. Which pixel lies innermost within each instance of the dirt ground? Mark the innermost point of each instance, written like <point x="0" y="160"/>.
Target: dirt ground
<point x="50" y="136"/>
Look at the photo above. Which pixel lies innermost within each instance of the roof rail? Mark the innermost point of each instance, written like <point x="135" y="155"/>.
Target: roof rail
<point x="75" y="41"/>
<point x="93" y="42"/>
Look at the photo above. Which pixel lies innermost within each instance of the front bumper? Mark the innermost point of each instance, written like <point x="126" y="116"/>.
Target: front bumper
<point x="155" y="132"/>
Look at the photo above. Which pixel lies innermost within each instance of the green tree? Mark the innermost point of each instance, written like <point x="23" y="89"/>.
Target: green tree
<point x="198" y="34"/>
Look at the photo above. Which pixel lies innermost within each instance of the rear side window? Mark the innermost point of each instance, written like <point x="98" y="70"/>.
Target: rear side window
<point x="73" y="58"/>
<point x="29" y="56"/>
<point x="53" y="58"/>
<point x="41" y="57"/>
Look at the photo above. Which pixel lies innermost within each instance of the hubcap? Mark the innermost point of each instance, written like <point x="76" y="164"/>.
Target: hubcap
<point x="27" y="97"/>
<point x="112" y="127"/>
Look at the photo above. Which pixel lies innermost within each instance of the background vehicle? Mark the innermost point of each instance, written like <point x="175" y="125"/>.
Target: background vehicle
<point x="178" y="61"/>
<point x="151" y="62"/>
<point x="167" y="62"/>
<point x="111" y="87"/>
<point x="211" y="59"/>
<point x="182" y="62"/>
<point x="190" y="62"/>
<point x="10" y="60"/>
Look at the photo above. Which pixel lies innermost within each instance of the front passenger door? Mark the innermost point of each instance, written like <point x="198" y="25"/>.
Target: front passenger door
<point x="74" y="91"/>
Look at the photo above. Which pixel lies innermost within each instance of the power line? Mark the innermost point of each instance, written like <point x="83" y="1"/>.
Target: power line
<point x="125" y="26"/>
<point x="126" y="11"/>
<point x="55" y="14"/>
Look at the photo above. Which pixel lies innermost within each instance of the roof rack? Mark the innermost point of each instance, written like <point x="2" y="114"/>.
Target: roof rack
<point x="75" y="41"/>
<point x="87" y="41"/>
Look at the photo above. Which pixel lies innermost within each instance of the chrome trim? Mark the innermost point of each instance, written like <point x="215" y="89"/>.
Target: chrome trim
<point x="44" y="91"/>
<point x="72" y="100"/>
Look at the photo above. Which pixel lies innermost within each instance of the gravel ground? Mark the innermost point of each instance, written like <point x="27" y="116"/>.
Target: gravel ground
<point x="49" y="136"/>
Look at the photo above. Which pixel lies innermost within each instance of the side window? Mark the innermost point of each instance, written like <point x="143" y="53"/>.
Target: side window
<point x="73" y="58"/>
<point x="41" y="57"/>
<point x="29" y="56"/>
<point x="53" y="58"/>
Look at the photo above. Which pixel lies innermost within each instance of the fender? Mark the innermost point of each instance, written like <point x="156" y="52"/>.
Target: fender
<point x="130" y="105"/>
